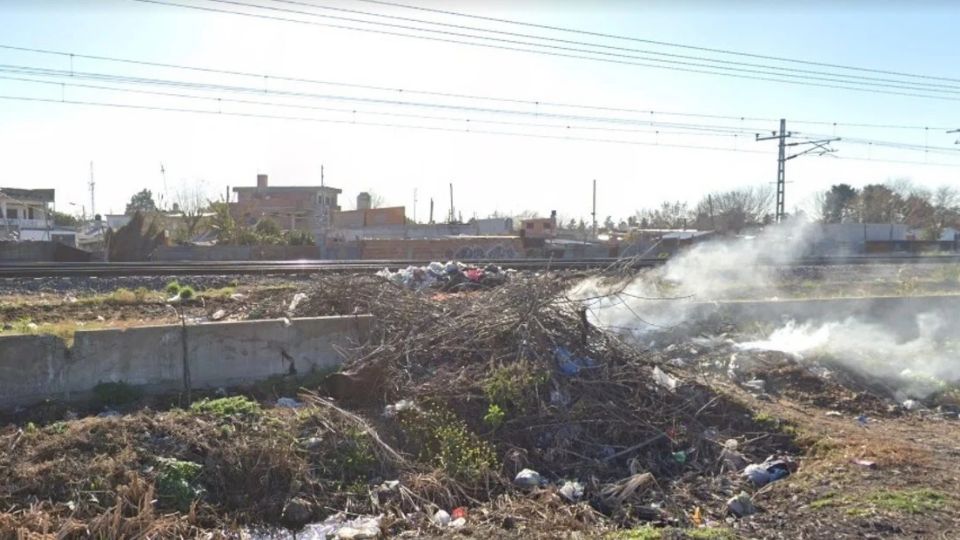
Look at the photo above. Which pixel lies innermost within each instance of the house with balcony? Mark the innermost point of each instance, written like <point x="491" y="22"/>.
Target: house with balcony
<point x="26" y="208"/>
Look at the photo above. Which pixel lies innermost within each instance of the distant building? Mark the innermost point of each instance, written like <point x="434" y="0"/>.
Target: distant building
<point x="832" y="239"/>
<point x="301" y="208"/>
<point x="534" y="228"/>
<point x="26" y="208"/>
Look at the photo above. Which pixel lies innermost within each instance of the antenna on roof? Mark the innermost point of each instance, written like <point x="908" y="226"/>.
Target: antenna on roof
<point x="93" y="207"/>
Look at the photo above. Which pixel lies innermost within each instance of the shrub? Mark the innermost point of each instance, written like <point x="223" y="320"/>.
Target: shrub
<point x="187" y="292"/>
<point x="495" y="416"/>
<point x="172" y="288"/>
<point x="176" y="481"/>
<point x="228" y="406"/>
<point x="442" y="439"/>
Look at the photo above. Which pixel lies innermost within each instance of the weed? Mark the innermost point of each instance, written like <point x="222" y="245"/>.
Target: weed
<point x="913" y="501"/>
<point x="187" y="292"/>
<point x="141" y="294"/>
<point x="172" y="288"/>
<point x="228" y="406"/>
<point x="116" y="393"/>
<point x="442" y="438"/>
<point x="354" y="458"/>
<point x="223" y="292"/>
<point x="495" y="416"/>
<point x="177" y="482"/>
<point x="514" y="386"/>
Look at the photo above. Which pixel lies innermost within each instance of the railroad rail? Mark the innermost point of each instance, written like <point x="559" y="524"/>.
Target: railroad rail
<point x="173" y="268"/>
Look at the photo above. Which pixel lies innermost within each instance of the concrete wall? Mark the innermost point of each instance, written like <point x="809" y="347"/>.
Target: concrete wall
<point x="14" y="252"/>
<point x="34" y="368"/>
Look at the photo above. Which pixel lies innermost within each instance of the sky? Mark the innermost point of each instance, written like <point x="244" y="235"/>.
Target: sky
<point x="51" y="145"/>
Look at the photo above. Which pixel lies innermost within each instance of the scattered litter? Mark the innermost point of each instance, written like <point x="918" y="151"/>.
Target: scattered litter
<point x="769" y="471"/>
<point x="71" y="299"/>
<point x="863" y="420"/>
<point x="741" y="505"/>
<point x="441" y="518"/>
<point x="390" y="485"/>
<point x="459" y="512"/>
<point x="865" y="463"/>
<point x="218" y="314"/>
<point x="677" y="362"/>
<point x="237" y="296"/>
<point x="911" y="405"/>
<point x="664" y="379"/>
<point x="528" y="478"/>
<point x="680" y="457"/>
<point x="559" y="398"/>
<point x="756" y="385"/>
<point x="297" y="298"/>
<point x="732" y="459"/>
<point x="731" y="444"/>
<point x="288" y="403"/>
<point x="572" y="491"/>
<point x="835" y="414"/>
<point x="313" y="443"/>
<point x="100" y="318"/>
<point x="457" y="523"/>
<point x="570" y="364"/>
<point x="391" y="411"/>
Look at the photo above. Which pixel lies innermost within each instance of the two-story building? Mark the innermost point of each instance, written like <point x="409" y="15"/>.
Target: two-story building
<point x="302" y="208"/>
<point x="26" y="208"/>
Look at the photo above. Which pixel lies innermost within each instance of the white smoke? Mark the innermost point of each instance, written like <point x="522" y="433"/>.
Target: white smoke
<point x="713" y="270"/>
<point x="917" y="366"/>
<point x="684" y="288"/>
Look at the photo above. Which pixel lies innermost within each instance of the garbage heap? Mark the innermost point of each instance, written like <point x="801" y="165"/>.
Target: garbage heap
<point x="495" y="396"/>
<point x="452" y="276"/>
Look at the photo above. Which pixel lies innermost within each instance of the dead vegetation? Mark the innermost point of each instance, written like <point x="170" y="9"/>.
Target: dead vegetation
<point x="451" y="398"/>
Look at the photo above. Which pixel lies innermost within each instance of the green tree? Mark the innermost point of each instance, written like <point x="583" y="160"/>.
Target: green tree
<point x="141" y="201"/>
<point x="61" y="219"/>
<point x="838" y="204"/>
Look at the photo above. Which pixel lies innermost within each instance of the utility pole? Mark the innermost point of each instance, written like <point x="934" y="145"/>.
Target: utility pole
<point x="453" y="215"/>
<point x="431" y="211"/>
<point x="414" y="205"/>
<point x="93" y="206"/>
<point x="593" y="214"/>
<point x="820" y="147"/>
<point x="955" y="131"/>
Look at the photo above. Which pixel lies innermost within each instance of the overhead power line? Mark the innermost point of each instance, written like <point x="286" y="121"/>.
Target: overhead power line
<point x="695" y="62"/>
<point x="699" y="58"/>
<point x="75" y="75"/>
<point x="742" y="74"/>
<point x="462" y="120"/>
<point x="208" y="112"/>
<point x="664" y="43"/>
<point x="434" y="93"/>
<point x="366" y="123"/>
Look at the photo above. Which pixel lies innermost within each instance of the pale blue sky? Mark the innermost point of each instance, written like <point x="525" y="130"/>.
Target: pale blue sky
<point x="50" y="145"/>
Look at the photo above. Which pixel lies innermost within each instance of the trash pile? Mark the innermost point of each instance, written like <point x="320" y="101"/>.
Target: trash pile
<point x="499" y="411"/>
<point x="452" y="276"/>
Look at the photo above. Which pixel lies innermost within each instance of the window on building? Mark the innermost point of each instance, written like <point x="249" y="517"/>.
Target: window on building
<point x="547" y="225"/>
<point x="12" y="213"/>
<point x="30" y="213"/>
<point x="529" y="226"/>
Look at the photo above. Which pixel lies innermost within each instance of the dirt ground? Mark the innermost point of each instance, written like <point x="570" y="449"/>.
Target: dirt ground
<point x="500" y="380"/>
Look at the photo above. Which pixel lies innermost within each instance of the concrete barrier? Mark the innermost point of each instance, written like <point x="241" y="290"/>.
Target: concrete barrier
<point x="34" y="368"/>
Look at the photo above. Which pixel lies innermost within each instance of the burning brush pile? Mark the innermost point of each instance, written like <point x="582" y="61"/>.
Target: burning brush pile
<point x="499" y="412"/>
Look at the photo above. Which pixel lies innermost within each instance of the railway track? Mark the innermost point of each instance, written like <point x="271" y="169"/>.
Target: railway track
<point x="46" y="269"/>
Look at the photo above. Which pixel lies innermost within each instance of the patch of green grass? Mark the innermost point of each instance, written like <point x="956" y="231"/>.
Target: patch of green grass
<point x="187" y="292"/>
<point x="116" y="393"/>
<point x="913" y="501"/>
<point x="354" y="459"/>
<point x="176" y="481"/>
<point x="228" y="406"/>
<point x="223" y="292"/>
<point x="649" y="532"/>
<point x="172" y="288"/>
<point x="830" y="499"/>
